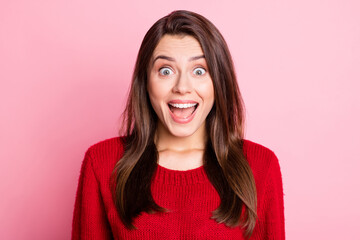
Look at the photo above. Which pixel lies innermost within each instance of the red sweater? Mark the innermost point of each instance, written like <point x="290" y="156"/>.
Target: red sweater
<point x="188" y="194"/>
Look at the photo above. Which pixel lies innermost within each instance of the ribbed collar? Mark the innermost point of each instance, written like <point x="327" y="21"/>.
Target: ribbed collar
<point x="176" y="177"/>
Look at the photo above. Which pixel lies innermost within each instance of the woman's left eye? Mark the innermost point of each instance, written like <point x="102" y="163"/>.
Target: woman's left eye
<point x="199" y="71"/>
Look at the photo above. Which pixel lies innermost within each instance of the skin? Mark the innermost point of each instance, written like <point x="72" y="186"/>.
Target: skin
<point x="183" y="77"/>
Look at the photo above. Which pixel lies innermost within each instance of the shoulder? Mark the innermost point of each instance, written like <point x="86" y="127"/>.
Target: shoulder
<point x="110" y="144"/>
<point x="268" y="180"/>
<point x="257" y="153"/>
<point x="104" y="154"/>
<point x="260" y="158"/>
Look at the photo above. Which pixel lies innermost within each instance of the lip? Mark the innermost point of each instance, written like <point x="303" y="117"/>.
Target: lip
<point x="182" y="101"/>
<point x="182" y="120"/>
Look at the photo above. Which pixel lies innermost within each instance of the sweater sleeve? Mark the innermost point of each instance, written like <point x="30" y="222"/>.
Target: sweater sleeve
<point x="271" y="225"/>
<point x="89" y="219"/>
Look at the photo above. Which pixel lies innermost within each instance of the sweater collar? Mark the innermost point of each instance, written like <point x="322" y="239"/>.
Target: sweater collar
<point x="176" y="177"/>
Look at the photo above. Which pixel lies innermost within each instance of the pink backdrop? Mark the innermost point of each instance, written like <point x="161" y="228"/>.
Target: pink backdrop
<point x="65" y="68"/>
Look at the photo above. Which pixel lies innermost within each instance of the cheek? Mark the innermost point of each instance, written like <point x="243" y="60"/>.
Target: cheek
<point x="206" y="90"/>
<point x="157" y="93"/>
<point x="158" y="88"/>
<point x="154" y="92"/>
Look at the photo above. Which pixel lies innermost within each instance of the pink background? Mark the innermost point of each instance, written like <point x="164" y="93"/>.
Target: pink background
<point x="65" y="68"/>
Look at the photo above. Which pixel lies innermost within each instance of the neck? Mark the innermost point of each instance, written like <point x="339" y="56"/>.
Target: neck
<point x="164" y="140"/>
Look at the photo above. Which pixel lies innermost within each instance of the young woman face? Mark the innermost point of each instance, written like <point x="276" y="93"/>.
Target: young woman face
<point x="179" y="85"/>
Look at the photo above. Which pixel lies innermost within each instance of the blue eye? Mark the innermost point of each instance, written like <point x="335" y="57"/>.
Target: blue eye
<point x="165" y="71"/>
<point x="199" y="71"/>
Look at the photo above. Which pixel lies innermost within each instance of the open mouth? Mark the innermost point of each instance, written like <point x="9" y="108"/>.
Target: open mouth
<point x="182" y="110"/>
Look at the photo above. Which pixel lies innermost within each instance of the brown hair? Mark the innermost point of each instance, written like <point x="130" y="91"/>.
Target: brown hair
<point x="224" y="160"/>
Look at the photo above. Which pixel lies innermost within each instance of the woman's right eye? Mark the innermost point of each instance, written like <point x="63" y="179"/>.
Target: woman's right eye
<point x="165" y="71"/>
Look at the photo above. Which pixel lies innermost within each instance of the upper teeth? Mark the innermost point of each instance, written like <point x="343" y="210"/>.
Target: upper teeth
<point x="183" y="105"/>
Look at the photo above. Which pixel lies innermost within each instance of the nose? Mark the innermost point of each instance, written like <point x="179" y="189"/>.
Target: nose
<point x="183" y="84"/>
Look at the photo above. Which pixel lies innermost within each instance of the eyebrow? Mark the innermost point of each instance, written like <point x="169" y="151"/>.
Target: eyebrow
<point x="173" y="60"/>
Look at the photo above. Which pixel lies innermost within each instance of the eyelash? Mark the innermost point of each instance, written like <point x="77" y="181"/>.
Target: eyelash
<point x="196" y="69"/>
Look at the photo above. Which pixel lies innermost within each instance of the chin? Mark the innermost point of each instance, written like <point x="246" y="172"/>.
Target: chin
<point x="181" y="135"/>
<point x="182" y="131"/>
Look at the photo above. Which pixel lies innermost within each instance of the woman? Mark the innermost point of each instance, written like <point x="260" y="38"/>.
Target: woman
<point x="183" y="169"/>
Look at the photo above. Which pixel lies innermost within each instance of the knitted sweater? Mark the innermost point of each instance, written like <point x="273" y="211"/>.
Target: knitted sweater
<point x="188" y="194"/>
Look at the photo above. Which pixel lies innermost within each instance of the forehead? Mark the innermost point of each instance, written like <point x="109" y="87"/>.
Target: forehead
<point x="178" y="45"/>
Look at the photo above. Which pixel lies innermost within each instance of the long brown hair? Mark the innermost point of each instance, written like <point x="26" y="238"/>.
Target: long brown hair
<point x="224" y="160"/>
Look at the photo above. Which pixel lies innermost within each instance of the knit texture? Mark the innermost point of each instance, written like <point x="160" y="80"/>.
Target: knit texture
<point x="188" y="195"/>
